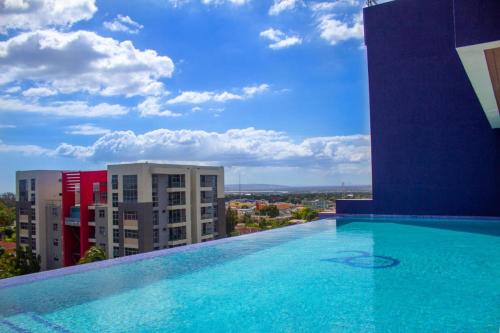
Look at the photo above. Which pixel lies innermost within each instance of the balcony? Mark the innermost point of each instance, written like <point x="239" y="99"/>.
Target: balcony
<point x="72" y="221"/>
<point x="23" y="218"/>
<point x="131" y="224"/>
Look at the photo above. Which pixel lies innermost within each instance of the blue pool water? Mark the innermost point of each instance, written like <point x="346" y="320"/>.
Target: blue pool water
<point x="349" y="275"/>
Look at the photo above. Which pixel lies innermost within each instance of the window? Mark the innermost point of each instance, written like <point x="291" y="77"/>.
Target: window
<point x="156" y="217"/>
<point x="102" y="213"/>
<point x="33" y="214"/>
<point x="33" y="198"/>
<point x="156" y="236"/>
<point x="24" y="211"/>
<point x="177" y="215"/>
<point x="177" y="233"/>
<point x="115" y="217"/>
<point x="55" y="211"/>
<point x="155" y="190"/>
<point x="130" y="188"/>
<point x="208" y="181"/>
<point x="115" y="199"/>
<point x="176" y="245"/>
<point x="23" y="190"/>
<point x="207" y="229"/>
<point x="114" y="182"/>
<point x="55" y="227"/>
<point x="207" y="196"/>
<point x="55" y="242"/>
<point x="24" y="225"/>
<point x="116" y="236"/>
<point x="102" y="231"/>
<point x="56" y="259"/>
<point x="25" y="240"/>
<point x="176" y="181"/>
<point x="130" y="215"/>
<point x="206" y="213"/>
<point x="116" y="251"/>
<point x="33" y="183"/>
<point x="33" y="229"/>
<point x="215" y="211"/>
<point x="176" y="198"/>
<point x="33" y="244"/>
<point x="131" y="234"/>
<point x="129" y="251"/>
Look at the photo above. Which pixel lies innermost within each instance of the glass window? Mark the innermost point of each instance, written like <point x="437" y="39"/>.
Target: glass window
<point x="131" y="234"/>
<point x="115" y="217"/>
<point x="116" y="236"/>
<point x="129" y="251"/>
<point x="33" y="214"/>
<point x="114" y="182"/>
<point x="33" y="198"/>
<point x="55" y="211"/>
<point x="33" y="229"/>
<point x="207" y="196"/>
<point x="206" y="213"/>
<point x="176" y="181"/>
<point x="23" y="190"/>
<point x="130" y="215"/>
<point x="24" y="226"/>
<point x="177" y="215"/>
<point x="176" y="198"/>
<point x="102" y="230"/>
<point x="33" y="184"/>
<point x="102" y="213"/>
<point x="207" y="228"/>
<point x="115" y="199"/>
<point x="177" y="233"/>
<point x="156" y="236"/>
<point x="208" y="181"/>
<point x="55" y="242"/>
<point x="156" y="217"/>
<point x="116" y="251"/>
<point x="130" y="188"/>
<point x="155" y="190"/>
<point x="55" y="226"/>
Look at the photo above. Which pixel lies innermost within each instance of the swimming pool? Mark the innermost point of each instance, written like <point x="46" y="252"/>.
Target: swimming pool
<point x="344" y="275"/>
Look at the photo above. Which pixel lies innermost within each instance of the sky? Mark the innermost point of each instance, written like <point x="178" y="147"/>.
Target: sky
<point x="276" y="91"/>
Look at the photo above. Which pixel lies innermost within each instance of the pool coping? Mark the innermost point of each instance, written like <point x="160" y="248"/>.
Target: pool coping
<point x="34" y="277"/>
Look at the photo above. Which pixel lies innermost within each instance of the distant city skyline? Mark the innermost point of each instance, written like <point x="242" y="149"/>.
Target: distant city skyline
<point x="275" y="91"/>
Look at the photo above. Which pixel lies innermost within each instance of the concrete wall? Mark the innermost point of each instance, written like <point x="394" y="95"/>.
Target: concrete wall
<point x="433" y="150"/>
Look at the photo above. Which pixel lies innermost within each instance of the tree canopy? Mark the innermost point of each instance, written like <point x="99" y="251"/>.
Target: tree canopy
<point x="95" y="253"/>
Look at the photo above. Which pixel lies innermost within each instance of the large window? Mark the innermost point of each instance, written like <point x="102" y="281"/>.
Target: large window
<point x="24" y="226"/>
<point x="177" y="233"/>
<point x="115" y="199"/>
<point x="115" y="217"/>
<point x="208" y="181"/>
<point x="130" y="215"/>
<point x="206" y="213"/>
<point x="131" y="234"/>
<point x="23" y="190"/>
<point x="207" y="228"/>
<point x="130" y="188"/>
<point x="154" y="188"/>
<point x="33" y="184"/>
<point x="33" y="198"/>
<point x="129" y="251"/>
<point x="176" y="198"/>
<point x="176" y="181"/>
<point x="116" y="236"/>
<point x="177" y="215"/>
<point x="207" y="196"/>
<point x="114" y="182"/>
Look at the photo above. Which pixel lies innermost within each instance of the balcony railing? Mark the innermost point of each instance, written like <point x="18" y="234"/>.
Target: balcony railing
<point x="72" y="221"/>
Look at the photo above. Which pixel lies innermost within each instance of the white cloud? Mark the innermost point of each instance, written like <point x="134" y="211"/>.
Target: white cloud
<point x="13" y="90"/>
<point x="253" y="90"/>
<point x="7" y="126"/>
<point x="124" y="24"/>
<point x="334" y="31"/>
<point x="179" y="3"/>
<point x="153" y="106"/>
<point x="280" y="6"/>
<point x="62" y="109"/>
<point x="235" y="147"/>
<point x="87" y="129"/>
<point x="201" y="97"/>
<point x="35" y="14"/>
<point x="24" y="149"/>
<point x="280" y="39"/>
<point x="329" y="6"/>
<point x="83" y="61"/>
<point x="39" y="92"/>
<point x="196" y="109"/>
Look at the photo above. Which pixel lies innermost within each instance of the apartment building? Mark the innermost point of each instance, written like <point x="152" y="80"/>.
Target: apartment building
<point x="38" y="196"/>
<point x="126" y="209"/>
<point x="157" y="206"/>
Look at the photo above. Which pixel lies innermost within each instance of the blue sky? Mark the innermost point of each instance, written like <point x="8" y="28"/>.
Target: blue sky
<point x="274" y="90"/>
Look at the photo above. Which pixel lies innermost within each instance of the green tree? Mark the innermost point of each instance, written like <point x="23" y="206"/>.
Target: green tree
<point x="7" y="215"/>
<point x="20" y="263"/>
<point x="305" y="213"/>
<point x="95" y="253"/>
<point x="271" y="211"/>
<point x="231" y="219"/>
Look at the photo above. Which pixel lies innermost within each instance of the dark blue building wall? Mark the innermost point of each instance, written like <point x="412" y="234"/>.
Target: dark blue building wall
<point x="433" y="150"/>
